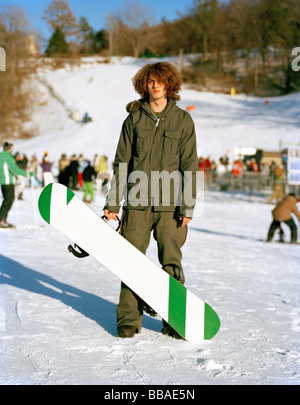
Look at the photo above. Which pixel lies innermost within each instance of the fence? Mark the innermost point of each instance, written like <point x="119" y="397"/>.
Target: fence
<point x="252" y="183"/>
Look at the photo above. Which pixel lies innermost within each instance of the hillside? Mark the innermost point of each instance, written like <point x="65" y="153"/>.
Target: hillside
<point x="58" y="313"/>
<point x="103" y="90"/>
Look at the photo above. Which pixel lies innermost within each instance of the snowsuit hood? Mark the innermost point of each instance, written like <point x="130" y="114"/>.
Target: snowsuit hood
<point x="135" y="105"/>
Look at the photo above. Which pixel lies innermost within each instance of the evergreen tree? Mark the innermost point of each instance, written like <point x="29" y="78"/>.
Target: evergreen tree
<point x="86" y="33"/>
<point x="57" y="44"/>
<point x="99" y="41"/>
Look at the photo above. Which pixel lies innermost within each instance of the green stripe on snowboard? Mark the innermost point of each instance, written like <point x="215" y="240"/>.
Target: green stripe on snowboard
<point x="177" y="306"/>
<point x="70" y="195"/>
<point x="45" y="203"/>
<point x="211" y="322"/>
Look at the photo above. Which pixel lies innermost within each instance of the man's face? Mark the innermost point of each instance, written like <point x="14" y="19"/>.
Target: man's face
<point x="156" y="89"/>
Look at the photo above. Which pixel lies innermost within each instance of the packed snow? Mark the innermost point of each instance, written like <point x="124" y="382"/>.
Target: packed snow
<point x="57" y="312"/>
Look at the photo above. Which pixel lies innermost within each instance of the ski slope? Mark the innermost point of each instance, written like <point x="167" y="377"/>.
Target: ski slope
<point x="57" y="312"/>
<point x="103" y="90"/>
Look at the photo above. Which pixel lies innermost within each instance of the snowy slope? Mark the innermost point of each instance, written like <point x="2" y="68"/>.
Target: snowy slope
<point x="57" y="313"/>
<point x="222" y="122"/>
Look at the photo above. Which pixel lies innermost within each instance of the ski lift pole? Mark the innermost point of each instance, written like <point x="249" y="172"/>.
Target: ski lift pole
<point x="17" y="208"/>
<point x="34" y="204"/>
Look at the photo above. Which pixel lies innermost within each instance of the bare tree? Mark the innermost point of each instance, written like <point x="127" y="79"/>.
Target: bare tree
<point x="59" y="15"/>
<point x="132" y="26"/>
<point x="15" y="102"/>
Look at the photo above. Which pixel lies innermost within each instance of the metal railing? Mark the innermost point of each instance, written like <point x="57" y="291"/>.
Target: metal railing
<point x="249" y="182"/>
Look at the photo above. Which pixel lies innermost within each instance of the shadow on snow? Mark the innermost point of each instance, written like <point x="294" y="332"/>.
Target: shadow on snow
<point x="90" y="305"/>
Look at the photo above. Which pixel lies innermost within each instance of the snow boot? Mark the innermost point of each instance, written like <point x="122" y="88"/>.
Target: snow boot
<point x="169" y="331"/>
<point x="281" y="236"/>
<point x="127" y="331"/>
<point x="150" y="311"/>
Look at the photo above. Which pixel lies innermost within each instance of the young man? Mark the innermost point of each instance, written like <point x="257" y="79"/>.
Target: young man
<point x="157" y="137"/>
<point x="282" y="213"/>
<point x="8" y="172"/>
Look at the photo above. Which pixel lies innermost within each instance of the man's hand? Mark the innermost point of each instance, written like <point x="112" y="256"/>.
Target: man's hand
<point x="184" y="221"/>
<point x="110" y="215"/>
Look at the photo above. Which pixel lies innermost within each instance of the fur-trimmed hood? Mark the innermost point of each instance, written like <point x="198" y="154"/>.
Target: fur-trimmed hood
<point x="136" y="104"/>
<point x="133" y="106"/>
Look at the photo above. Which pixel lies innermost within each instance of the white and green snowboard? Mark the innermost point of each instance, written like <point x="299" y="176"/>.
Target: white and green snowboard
<point x="190" y="316"/>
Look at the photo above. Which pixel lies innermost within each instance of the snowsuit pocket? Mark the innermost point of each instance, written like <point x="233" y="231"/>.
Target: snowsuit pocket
<point x="171" y="142"/>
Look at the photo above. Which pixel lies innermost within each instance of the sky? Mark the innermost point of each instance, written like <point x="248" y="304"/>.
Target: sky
<point x="96" y="10"/>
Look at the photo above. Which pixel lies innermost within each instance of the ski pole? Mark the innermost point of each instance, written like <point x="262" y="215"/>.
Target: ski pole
<point x="34" y="205"/>
<point x="17" y="210"/>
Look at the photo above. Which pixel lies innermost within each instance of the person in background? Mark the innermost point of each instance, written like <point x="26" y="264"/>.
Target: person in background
<point x="22" y="162"/>
<point x="103" y="174"/>
<point x="9" y="170"/>
<point x="63" y="170"/>
<point x="74" y="171"/>
<point x="33" y="168"/>
<point x="88" y="175"/>
<point x="82" y="163"/>
<point x="278" y="193"/>
<point x="47" y="171"/>
<point x="282" y="213"/>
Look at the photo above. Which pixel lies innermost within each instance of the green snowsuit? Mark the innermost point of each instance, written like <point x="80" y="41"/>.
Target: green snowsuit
<point x="8" y="172"/>
<point x="9" y="169"/>
<point x="150" y="152"/>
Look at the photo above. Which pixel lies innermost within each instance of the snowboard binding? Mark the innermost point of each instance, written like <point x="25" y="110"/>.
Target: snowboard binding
<point x="150" y="311"/>
<point x="119" y="222"/>
<point x="82" y="253"/>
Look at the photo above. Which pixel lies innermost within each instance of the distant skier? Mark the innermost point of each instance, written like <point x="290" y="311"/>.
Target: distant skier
<point x="278" y="174"/>
<point x="82" y="163"/>
<point x="157" y="136"/>
<point x="86" y="118"/>
<point x="22" y="162"/>
<point x="88" y="175"/>
<point x="64" y="170"/>
<point x="103" y="177"/>
<point x="282" y="213"/>
<point x="73" y="167"/>
<point x="9" y="170"/>
<point x="47" y="174"/>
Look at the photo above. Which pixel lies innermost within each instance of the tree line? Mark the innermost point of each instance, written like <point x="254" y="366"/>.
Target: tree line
<point x="242" y="43"/>
<point x="16" y="97"/>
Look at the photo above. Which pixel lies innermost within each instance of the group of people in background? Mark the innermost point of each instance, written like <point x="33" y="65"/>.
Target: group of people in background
<point x="75" y="172"/>
<point x="286" y="205"/>
<point x="240" y="166"/>
<point x="239" y="169"/>
<point x="80" y="173"/>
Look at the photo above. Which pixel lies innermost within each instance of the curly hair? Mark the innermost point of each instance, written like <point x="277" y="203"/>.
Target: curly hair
<point x="165" y="73"/>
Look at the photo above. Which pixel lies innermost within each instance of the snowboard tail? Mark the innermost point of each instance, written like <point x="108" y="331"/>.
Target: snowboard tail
<point x="190" y="316"/>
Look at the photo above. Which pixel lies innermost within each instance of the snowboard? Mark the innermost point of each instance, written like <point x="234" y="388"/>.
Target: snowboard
<point x="189" y="315"/>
